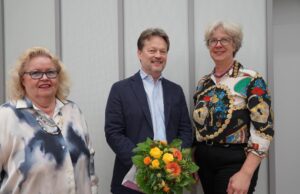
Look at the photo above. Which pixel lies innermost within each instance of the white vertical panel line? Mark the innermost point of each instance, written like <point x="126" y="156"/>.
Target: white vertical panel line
<point x="58" y="28"/>
<point x="191" y="57"/>
<point x="2" y="54"/>
<point x="270" y="79"/>
<point x="121" y="49"/>
<point x="191" y="50"/>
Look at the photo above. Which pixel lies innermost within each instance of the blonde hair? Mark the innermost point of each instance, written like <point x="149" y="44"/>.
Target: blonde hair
<point x="16" y="88"/>
<point x="234" y="30"/>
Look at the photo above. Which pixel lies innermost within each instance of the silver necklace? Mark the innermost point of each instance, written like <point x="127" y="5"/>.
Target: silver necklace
<point x="47" y="124"/>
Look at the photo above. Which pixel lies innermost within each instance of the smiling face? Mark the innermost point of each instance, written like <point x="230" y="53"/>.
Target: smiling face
<point x="221" y="53"/>
<point x="43" y="87"/>
<point x="153" y="56"/>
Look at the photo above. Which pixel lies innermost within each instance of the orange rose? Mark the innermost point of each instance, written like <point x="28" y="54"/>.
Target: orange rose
<point x="166" y="189"/>
<point x="173" y="168"/>
<point x="177" y="154"/>
<point x="147" y="160"/>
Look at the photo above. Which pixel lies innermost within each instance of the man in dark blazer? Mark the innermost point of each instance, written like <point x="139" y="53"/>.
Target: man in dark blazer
<point x="133" y="114"/>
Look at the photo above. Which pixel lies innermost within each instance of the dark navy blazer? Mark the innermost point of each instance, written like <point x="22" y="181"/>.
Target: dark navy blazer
<point x="128" y="121"/>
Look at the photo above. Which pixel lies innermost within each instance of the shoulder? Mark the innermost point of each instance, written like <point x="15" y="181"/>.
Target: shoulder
<point x="126" y="82"/>
<point x="203" y="82"/>
<point x="8" y="113"/>
<point x="171" y="84"/>
<point x="256" y="81"/>
<point x="204" y="79"/>
<point x="71" y="107"/>
<point x="7" y="107"/>
<point x="250" y="72"/>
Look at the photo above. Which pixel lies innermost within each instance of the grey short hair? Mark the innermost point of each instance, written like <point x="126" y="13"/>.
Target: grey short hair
<point x="234" y="30"/>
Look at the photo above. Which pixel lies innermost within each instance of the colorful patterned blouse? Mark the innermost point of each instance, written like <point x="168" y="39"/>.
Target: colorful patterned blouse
<point x="40" y="155"/>
<point x="236" y="110"/>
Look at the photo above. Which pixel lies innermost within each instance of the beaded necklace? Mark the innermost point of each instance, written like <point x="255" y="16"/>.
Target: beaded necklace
<point x="47" y="124"/>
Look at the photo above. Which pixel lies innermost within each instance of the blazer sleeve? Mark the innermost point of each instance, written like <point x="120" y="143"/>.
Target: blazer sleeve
<point x="115" y="126"/>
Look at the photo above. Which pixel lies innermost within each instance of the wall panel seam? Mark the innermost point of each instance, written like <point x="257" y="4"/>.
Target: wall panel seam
<point x="270" y="79"/>
<point x="58" y="28"/>
<point x="2" y="54"/>
<point x="121" y="49"/>
<point x="191" y="51"/>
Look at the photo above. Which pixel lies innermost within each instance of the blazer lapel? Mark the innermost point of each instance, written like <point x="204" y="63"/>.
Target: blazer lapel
<point x="167" y="101"/>
<point x="139" y="91"/>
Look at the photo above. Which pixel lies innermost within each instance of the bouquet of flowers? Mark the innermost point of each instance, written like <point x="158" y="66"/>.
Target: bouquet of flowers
<point x="163" y="168"/>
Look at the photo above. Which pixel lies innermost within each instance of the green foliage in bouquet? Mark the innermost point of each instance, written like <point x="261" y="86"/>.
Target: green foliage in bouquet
<point x="163" y="168"/>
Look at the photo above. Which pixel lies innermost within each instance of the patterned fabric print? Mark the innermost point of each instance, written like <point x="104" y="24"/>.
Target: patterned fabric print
<point x="241" y="86"/>
<point x="212" y="111"/>
<point x="28" y="152"/>
<point x="259" y="104"/>
<point x="236" y="110"/>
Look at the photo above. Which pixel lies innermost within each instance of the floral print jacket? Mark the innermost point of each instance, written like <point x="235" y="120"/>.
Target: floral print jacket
<point x="236" y="110"/>
<point x="36" y="160"/>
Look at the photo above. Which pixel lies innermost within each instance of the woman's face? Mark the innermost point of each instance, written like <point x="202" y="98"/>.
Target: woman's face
<point x="221" y="46"/>
<point x="45" y="86"/>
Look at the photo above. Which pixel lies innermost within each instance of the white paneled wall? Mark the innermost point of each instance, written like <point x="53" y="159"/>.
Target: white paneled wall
<point x="27" y="23"/>
<point x="286" y="94"/>
<point x="93" y="52"/>
<point x="2" y="73"/>
<point x="90" y="52"/>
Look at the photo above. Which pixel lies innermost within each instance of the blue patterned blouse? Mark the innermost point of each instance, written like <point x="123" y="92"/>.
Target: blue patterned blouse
<point x="42" y="155"/>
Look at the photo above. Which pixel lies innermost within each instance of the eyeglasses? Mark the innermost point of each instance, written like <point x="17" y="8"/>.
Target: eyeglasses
<point x="39" y="74"/>
<point x="224" y="41"/>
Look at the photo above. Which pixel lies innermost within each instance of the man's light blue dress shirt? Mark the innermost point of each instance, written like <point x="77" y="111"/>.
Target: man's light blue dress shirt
<point x="155" y="99"/>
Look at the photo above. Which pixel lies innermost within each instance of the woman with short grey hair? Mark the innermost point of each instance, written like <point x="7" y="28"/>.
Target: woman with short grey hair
<point x="232" y="117"/>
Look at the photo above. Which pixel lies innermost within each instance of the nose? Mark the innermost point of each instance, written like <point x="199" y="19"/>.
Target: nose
<point x="44" y="76"/>
<point x="158" y="54"/>
<point x="219" y="44"/>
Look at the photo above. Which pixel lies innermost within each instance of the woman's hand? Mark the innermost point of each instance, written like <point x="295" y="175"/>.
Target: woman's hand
<point x="239" y="183"/>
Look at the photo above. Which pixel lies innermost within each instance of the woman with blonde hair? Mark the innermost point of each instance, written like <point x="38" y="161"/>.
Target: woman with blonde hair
<point x="44" y="141"/>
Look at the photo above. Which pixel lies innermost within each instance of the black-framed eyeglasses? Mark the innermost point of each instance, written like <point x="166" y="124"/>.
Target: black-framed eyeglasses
<point x="223" y="41"/>
<point x="39" y="74"/>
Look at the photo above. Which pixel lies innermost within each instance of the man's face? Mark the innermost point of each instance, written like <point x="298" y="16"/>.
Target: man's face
<point x="153" y="56"/>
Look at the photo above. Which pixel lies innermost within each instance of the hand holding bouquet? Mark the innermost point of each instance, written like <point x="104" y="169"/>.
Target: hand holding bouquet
<point x="163" y="168"/>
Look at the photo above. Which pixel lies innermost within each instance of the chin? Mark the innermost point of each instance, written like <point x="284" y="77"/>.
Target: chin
<point x="219" y="59"/>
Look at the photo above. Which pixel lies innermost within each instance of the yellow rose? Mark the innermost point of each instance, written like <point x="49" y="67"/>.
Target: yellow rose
<point x="155" y="164"/>
<point x="167" y="157"/>
<point x="156" y="152"/>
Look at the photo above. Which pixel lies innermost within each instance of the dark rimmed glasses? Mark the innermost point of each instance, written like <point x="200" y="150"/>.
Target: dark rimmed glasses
<point x="223" y="41"/>
<point x="39" y="74"/>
